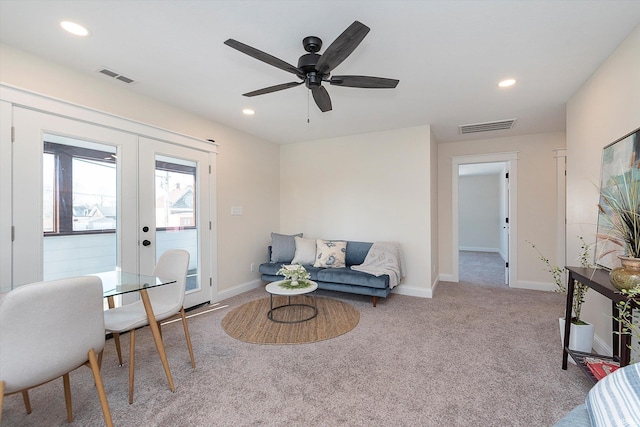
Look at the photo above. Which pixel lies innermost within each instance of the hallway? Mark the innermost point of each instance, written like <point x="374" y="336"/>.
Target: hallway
<point x="482" y="268"/>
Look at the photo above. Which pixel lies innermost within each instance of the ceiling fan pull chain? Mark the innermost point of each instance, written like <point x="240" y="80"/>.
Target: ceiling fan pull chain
<point x="308" y="101"/>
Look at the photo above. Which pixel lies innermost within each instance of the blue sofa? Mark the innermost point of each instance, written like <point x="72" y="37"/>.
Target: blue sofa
<point x="338" y="279"/>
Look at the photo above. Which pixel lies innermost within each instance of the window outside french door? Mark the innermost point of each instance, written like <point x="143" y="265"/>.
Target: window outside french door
<point x="94" y="199"/>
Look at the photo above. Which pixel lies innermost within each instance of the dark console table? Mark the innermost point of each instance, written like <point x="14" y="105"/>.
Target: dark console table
<point x="598" y="280"/>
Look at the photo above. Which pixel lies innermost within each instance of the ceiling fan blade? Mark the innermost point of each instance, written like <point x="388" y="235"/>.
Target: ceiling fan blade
<point x="364" y="82"/>
<point x="264" y="57"/>
<point x="321" y="96"/>
<point x="342" y="47"/>
<point x="272" y="89"/>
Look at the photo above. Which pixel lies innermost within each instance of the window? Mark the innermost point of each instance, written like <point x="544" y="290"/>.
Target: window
<point x="175" y="195"/>
<point x="79" y="188"/>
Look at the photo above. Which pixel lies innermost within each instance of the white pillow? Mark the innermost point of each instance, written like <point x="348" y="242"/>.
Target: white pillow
<point x="330" y="254"/>
<point x="305" y="251"/>
<point x="615" y="400"/>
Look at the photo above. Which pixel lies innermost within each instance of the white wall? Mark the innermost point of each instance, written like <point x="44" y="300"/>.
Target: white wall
<point x="536" y="199"/>
<point x="603" y="110"/>
<point x="480" y="216"/>
<point x="247" y="167"/>
<point x="370" y="187"/>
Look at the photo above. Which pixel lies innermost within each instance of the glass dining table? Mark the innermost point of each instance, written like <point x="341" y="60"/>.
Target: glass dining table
<point x="116" y="283"/>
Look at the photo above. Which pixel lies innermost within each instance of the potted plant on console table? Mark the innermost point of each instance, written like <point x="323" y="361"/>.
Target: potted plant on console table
<point x="619" y="210"/>
<point x="581" y="336"/>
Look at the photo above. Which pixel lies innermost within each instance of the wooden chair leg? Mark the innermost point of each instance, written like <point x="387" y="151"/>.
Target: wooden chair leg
<point x="374" y="300"/>
<point x="1" y="399"/>
<point x="186" y="334"/>
<point x="27" y="403"/>
<point x="159" y="328"/>
<point x="132" y="351"/>
<point x="95" y="369"/>
<point x="116" y="338"/>
<point x="67" y="396"/>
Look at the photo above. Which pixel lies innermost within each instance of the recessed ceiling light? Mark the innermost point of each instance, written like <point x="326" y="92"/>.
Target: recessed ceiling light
<point x="248" y="112"/>
<point x="75" y="29"/>
<point x="507" y="83"/>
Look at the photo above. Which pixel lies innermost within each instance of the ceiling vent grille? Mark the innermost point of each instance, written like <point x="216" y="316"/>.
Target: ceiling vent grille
<point x="115" y="75"/>
<point x="487" y="126"/>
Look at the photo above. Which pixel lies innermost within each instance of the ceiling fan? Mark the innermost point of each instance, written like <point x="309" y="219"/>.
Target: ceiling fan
<point x="313" y="68"/>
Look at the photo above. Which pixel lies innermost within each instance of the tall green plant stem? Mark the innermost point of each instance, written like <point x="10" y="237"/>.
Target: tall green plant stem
<point x="559" y="273"/>
<point x="625" y="316"/>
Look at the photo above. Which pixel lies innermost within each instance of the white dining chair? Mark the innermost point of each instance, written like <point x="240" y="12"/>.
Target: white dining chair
<point x="167" y="301"/>
<point x="48" y="329"/>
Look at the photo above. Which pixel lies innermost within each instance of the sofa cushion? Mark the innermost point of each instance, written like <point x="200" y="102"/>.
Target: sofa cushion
<point x="578" y="417"/>
<point x="330" y="253"/>
<point x="357" y="252"/>
<point x="283" y="247"/>
<point x="352" y="277"/>
<point x="305" y="251"/>
<point x="615" y="400"/>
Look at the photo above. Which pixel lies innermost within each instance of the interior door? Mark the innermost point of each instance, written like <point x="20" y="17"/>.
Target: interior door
<point x="174" y="210"/>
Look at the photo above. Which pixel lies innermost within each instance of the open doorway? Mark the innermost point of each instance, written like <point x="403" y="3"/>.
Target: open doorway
<point x="483" y="220"/>
<point x="505" y="227"/>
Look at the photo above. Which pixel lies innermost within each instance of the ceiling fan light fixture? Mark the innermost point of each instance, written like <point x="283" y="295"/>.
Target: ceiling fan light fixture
<point x="74" y="28"/>
<point x="507" y="83"/>
<point x="248" y="112"/>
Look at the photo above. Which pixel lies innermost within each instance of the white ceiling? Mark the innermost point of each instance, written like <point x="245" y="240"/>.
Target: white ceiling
<point x="448" y="55"/>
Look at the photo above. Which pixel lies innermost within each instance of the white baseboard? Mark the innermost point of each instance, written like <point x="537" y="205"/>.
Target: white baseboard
<point x="534" y="286"/>
<point x="237" y="290"/>
<point x="445" y="277"/>
<point x="413" y="292"/>
<point x="478" y="249"/>
<point x="601" y="347"/>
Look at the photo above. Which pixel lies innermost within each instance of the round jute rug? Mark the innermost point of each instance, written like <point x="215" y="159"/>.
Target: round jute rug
<point x="249" y="322"/>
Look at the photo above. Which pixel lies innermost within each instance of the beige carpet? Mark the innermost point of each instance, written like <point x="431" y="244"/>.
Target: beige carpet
<point x="249" y="322"/>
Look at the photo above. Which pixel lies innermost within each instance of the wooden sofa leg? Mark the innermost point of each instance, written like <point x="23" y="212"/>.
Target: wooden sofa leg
<point x="374" y="300"/>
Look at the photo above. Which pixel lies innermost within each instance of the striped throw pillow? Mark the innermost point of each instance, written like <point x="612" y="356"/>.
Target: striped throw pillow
<point x="615" y="400"/>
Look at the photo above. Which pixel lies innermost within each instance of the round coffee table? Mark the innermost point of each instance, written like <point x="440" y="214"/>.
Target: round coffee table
<point x="276" y="288"/>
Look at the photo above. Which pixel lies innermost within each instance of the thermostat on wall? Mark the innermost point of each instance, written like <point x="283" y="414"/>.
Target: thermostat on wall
<point x="236" y="210"/>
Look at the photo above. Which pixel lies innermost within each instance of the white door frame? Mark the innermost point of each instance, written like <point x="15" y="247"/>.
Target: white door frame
<point x="510" y="158"/>
<point x="5" y="197"/>
<point x="15" y="97"/>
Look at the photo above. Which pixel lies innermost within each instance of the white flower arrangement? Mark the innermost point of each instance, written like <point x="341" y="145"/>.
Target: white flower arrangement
<point x="296" y="274"/>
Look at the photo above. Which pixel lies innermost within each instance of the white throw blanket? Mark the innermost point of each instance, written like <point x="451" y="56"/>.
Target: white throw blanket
<point x="384" y="258"/>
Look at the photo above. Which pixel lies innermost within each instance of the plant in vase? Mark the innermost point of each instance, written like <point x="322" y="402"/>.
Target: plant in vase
<point x="628" y="324"/>
<point x="558" y="275"/>
<point x="296" y="276"/>
<point x="620" y="213"/>
<point x="581" y="337"/>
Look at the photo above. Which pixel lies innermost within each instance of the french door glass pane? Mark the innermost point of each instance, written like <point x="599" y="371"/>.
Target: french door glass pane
<point x="79" y="207"/>
<point x="175" y="195"/>
<point x="94" y="195"/>
<point x="48" y="189"/>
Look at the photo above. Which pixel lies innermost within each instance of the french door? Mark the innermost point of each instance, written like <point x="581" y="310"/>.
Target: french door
<point x="88" y="198"/>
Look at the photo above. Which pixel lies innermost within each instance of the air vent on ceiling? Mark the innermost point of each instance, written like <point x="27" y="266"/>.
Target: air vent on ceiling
<point x="116" y="76"/>
<point x="487" y="126"/>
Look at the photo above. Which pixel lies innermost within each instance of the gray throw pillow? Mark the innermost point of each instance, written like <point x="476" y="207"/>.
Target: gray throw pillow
<point x="283" y="247"/>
